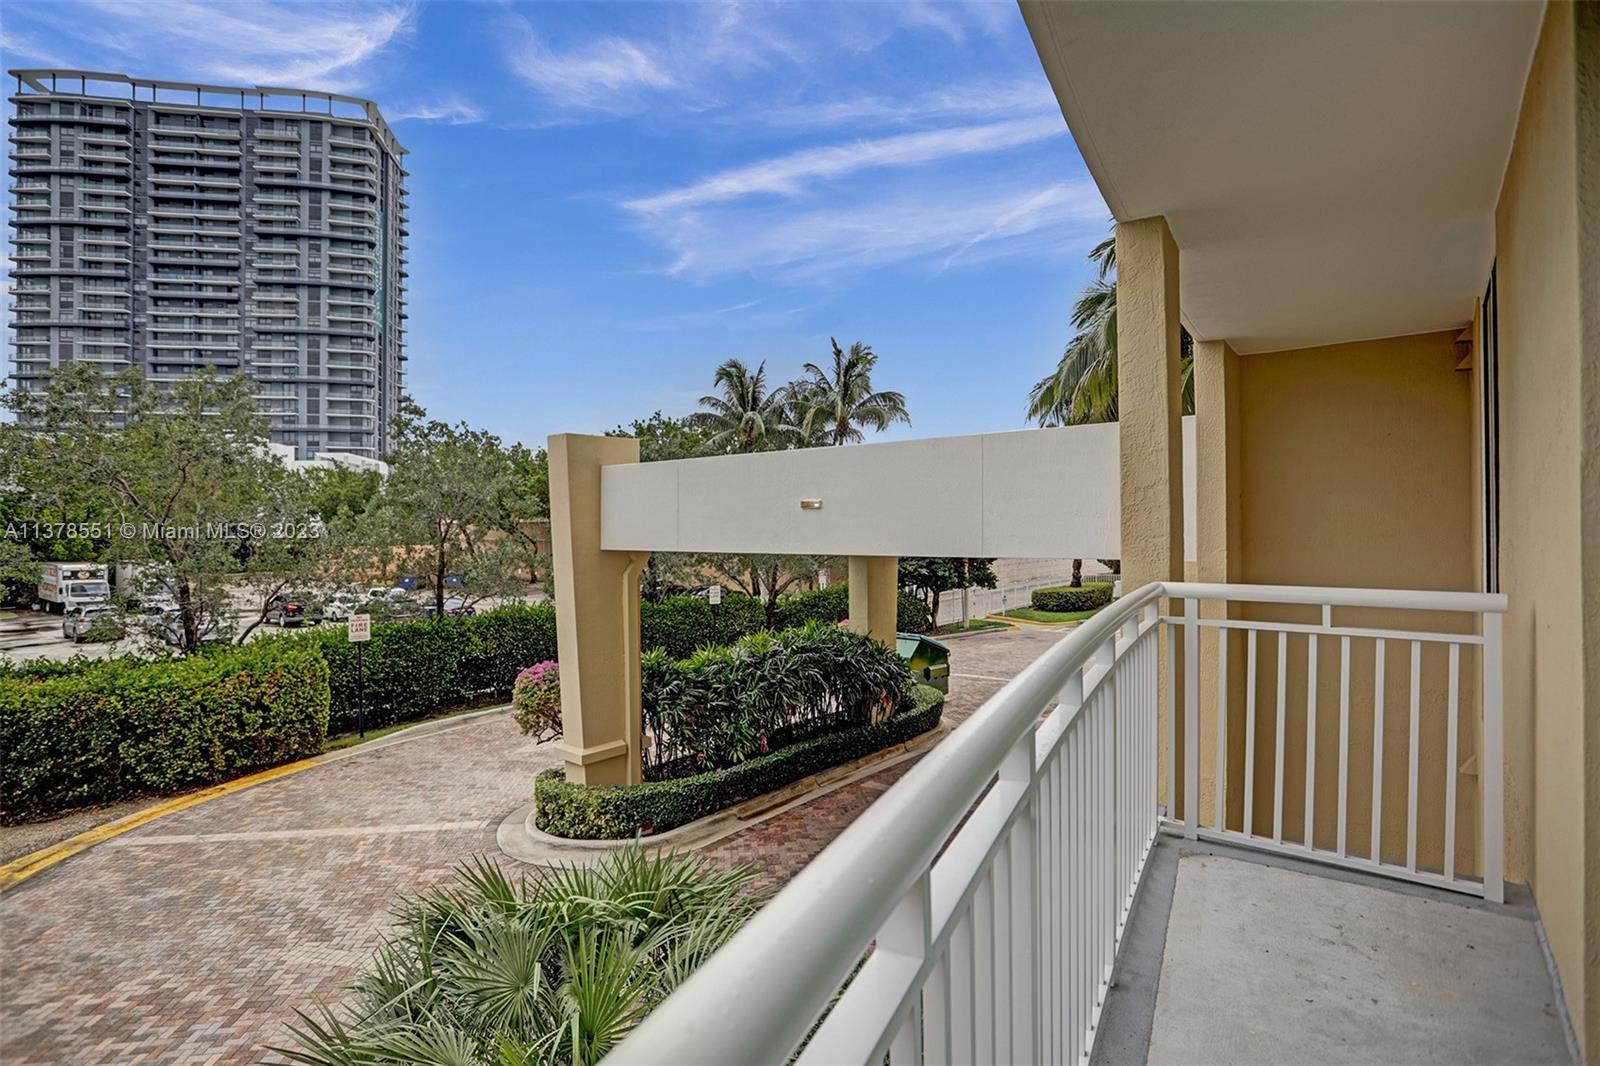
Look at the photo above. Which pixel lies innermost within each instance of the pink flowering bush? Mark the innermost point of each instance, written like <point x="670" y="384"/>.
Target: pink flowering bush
<point x="536" y="695"/>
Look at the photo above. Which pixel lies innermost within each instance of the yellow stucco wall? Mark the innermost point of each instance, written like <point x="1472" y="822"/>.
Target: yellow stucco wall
<point x="1550" y="564"/>
<point x="1355" y="469"/>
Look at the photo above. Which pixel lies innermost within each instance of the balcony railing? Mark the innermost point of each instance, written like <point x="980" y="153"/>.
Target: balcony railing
<point x="975" y="911"/>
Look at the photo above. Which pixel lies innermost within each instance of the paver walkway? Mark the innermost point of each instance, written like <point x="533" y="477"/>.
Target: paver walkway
<point x="194" y="938"/>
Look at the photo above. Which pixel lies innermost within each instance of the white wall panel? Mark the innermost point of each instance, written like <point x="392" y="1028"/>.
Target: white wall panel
<point x="1041" y="493"/>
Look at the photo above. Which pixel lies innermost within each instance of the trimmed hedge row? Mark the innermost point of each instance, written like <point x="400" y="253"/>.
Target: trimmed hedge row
<point x="416" y="669"/>
<point x="832" y="604"/>
<point x="122" y="728"/>
<point x="592" y="812"/>
<point x="1090" y="596"/>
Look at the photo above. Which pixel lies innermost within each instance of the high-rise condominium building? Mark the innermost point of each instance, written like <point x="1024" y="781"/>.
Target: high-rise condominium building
<point x="170" y="226"/>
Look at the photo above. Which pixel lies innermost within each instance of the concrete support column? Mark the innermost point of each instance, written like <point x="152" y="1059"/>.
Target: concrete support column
<point x="1149" y="404"/>
<point x="597" y="617"/>
<point x="874" y="596"/>
<point x="1218" y="432"/>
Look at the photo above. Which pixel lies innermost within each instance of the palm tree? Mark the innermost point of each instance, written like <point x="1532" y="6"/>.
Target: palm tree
<point x="746" y="416"/>
<point x="1083" y="386"/>
<point x="493" y="971"/>
<point x="837" y="403"/>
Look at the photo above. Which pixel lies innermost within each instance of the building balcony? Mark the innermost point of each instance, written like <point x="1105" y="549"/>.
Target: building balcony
<point x="1109" y="822"/>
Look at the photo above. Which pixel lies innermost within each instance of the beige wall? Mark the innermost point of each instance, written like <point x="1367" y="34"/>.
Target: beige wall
<point x="1550" y="562"/>
<point x="1354" y="468"/>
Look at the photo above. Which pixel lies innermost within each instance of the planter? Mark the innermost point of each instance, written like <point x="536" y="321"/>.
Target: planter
<point x="592" y="812"/>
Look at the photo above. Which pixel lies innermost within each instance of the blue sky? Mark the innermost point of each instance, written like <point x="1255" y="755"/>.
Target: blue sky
<point x="610" y="199"/>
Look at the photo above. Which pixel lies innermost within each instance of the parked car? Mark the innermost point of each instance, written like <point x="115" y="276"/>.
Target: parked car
<point x="91" y="622"/>
<point x="286" y="610"/>
<point x="454" y="607"/>
<point x="167" y="625"/>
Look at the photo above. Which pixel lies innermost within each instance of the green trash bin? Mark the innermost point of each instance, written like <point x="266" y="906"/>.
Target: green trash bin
<point x="929" y="660"/>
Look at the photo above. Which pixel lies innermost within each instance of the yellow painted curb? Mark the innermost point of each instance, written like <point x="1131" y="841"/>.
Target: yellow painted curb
<point x="16" y="871"/>
<point x="1030" y="622"/>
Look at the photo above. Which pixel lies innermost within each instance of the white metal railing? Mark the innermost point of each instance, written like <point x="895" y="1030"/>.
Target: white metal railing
<point x="992" y="944"/>
<point x="974" y="912"/>
<point x="1422" y="848"/>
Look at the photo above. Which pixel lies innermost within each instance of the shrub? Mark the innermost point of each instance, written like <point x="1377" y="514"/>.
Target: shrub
<point x="1090" y="596"/>
<point x="725" y="705"/>
<point x="554" y="969"/>
<point x="832" y="604"/>
<point x="536" y="695"/>
<point x="681" y="625"/>
<point x="596" y="813"/>
<point x="124" y="727"/>
<point x="417" y="669"/>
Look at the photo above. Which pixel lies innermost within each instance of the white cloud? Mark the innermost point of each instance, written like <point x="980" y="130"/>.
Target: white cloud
<point x="453" y="112"/>
<point x="789" y="174"/>
<point x="283" y="43"/>
<point x="599" y="74"/>
<point x="949" y="219"/>
<point x="698" y="58"/>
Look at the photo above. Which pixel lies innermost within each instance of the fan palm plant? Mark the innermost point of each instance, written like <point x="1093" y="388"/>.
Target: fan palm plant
<point x="559" y="970"/>
<point x="838" y="402"/>
<point x="1083" y="386"/>
<point x="745" y="416"/>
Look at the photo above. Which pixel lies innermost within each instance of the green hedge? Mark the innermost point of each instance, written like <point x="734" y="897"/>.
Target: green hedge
<point x="1090" y="596"/>
<point x="123" y="728"/>
<point x="595" y="813"/>
<point x="681" y="625"/>
<point x="417" y="669"/>
<point x="832" y="604"/>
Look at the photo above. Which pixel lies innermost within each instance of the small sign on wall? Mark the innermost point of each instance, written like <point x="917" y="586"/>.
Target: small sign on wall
<point x="360" y="627"/>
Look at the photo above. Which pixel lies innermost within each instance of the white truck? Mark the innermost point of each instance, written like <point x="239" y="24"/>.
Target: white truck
<point x="64" y="586"/>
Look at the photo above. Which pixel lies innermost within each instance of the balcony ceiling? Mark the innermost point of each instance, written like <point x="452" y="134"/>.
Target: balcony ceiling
<point x="1329" y="170"/>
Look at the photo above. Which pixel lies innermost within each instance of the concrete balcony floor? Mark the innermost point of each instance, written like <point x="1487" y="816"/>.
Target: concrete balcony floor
<point x="1237" y="957"/>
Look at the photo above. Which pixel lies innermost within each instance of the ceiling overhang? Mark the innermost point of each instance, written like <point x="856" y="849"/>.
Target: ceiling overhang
<point x="1329" y="170"/>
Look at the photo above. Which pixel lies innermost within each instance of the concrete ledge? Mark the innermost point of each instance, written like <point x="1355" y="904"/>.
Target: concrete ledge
<point x="519" y="839"/>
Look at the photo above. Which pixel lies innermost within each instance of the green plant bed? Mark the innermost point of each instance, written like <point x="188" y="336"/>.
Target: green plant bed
<point x="1029" y="614"/>
<point x="972" y="626"/>
<point x="590" y="812"/>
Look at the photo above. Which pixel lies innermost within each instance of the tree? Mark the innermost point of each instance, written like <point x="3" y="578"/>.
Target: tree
<point x="746" y="416"/>
<point x="178" y="474"/>
<point x="1083" y="386"/>
<point x="838" y="402"/>
<point x="929" y="577"/>
<point x="765" y="577"/>
<point x="337" y="491"/>
<point x="449" y="506"/>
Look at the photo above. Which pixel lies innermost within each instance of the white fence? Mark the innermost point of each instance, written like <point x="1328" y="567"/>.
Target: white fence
<point x="981" y="602"/>
<point x="974" y="913"/>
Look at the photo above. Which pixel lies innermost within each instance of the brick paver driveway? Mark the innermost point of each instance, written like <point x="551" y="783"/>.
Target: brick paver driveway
<point x="194" y="938"/>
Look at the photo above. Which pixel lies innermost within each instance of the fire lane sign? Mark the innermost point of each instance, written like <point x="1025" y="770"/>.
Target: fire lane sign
<point x="360" y="627"/>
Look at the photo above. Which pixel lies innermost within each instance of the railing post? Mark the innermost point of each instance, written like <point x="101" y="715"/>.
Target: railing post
<point x="1492" y="766"/>
<point x="907" y="931"/>
<point x="1191" y="717"/>
<point x="1025" y="1008"/>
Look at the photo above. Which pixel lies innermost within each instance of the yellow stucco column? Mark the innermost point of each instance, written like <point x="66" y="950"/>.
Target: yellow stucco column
<point x="874" y="596"/>
<point x="1149" y="388"/>
<point x="597" y="616"/>
<point x="1218" y="432"/>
